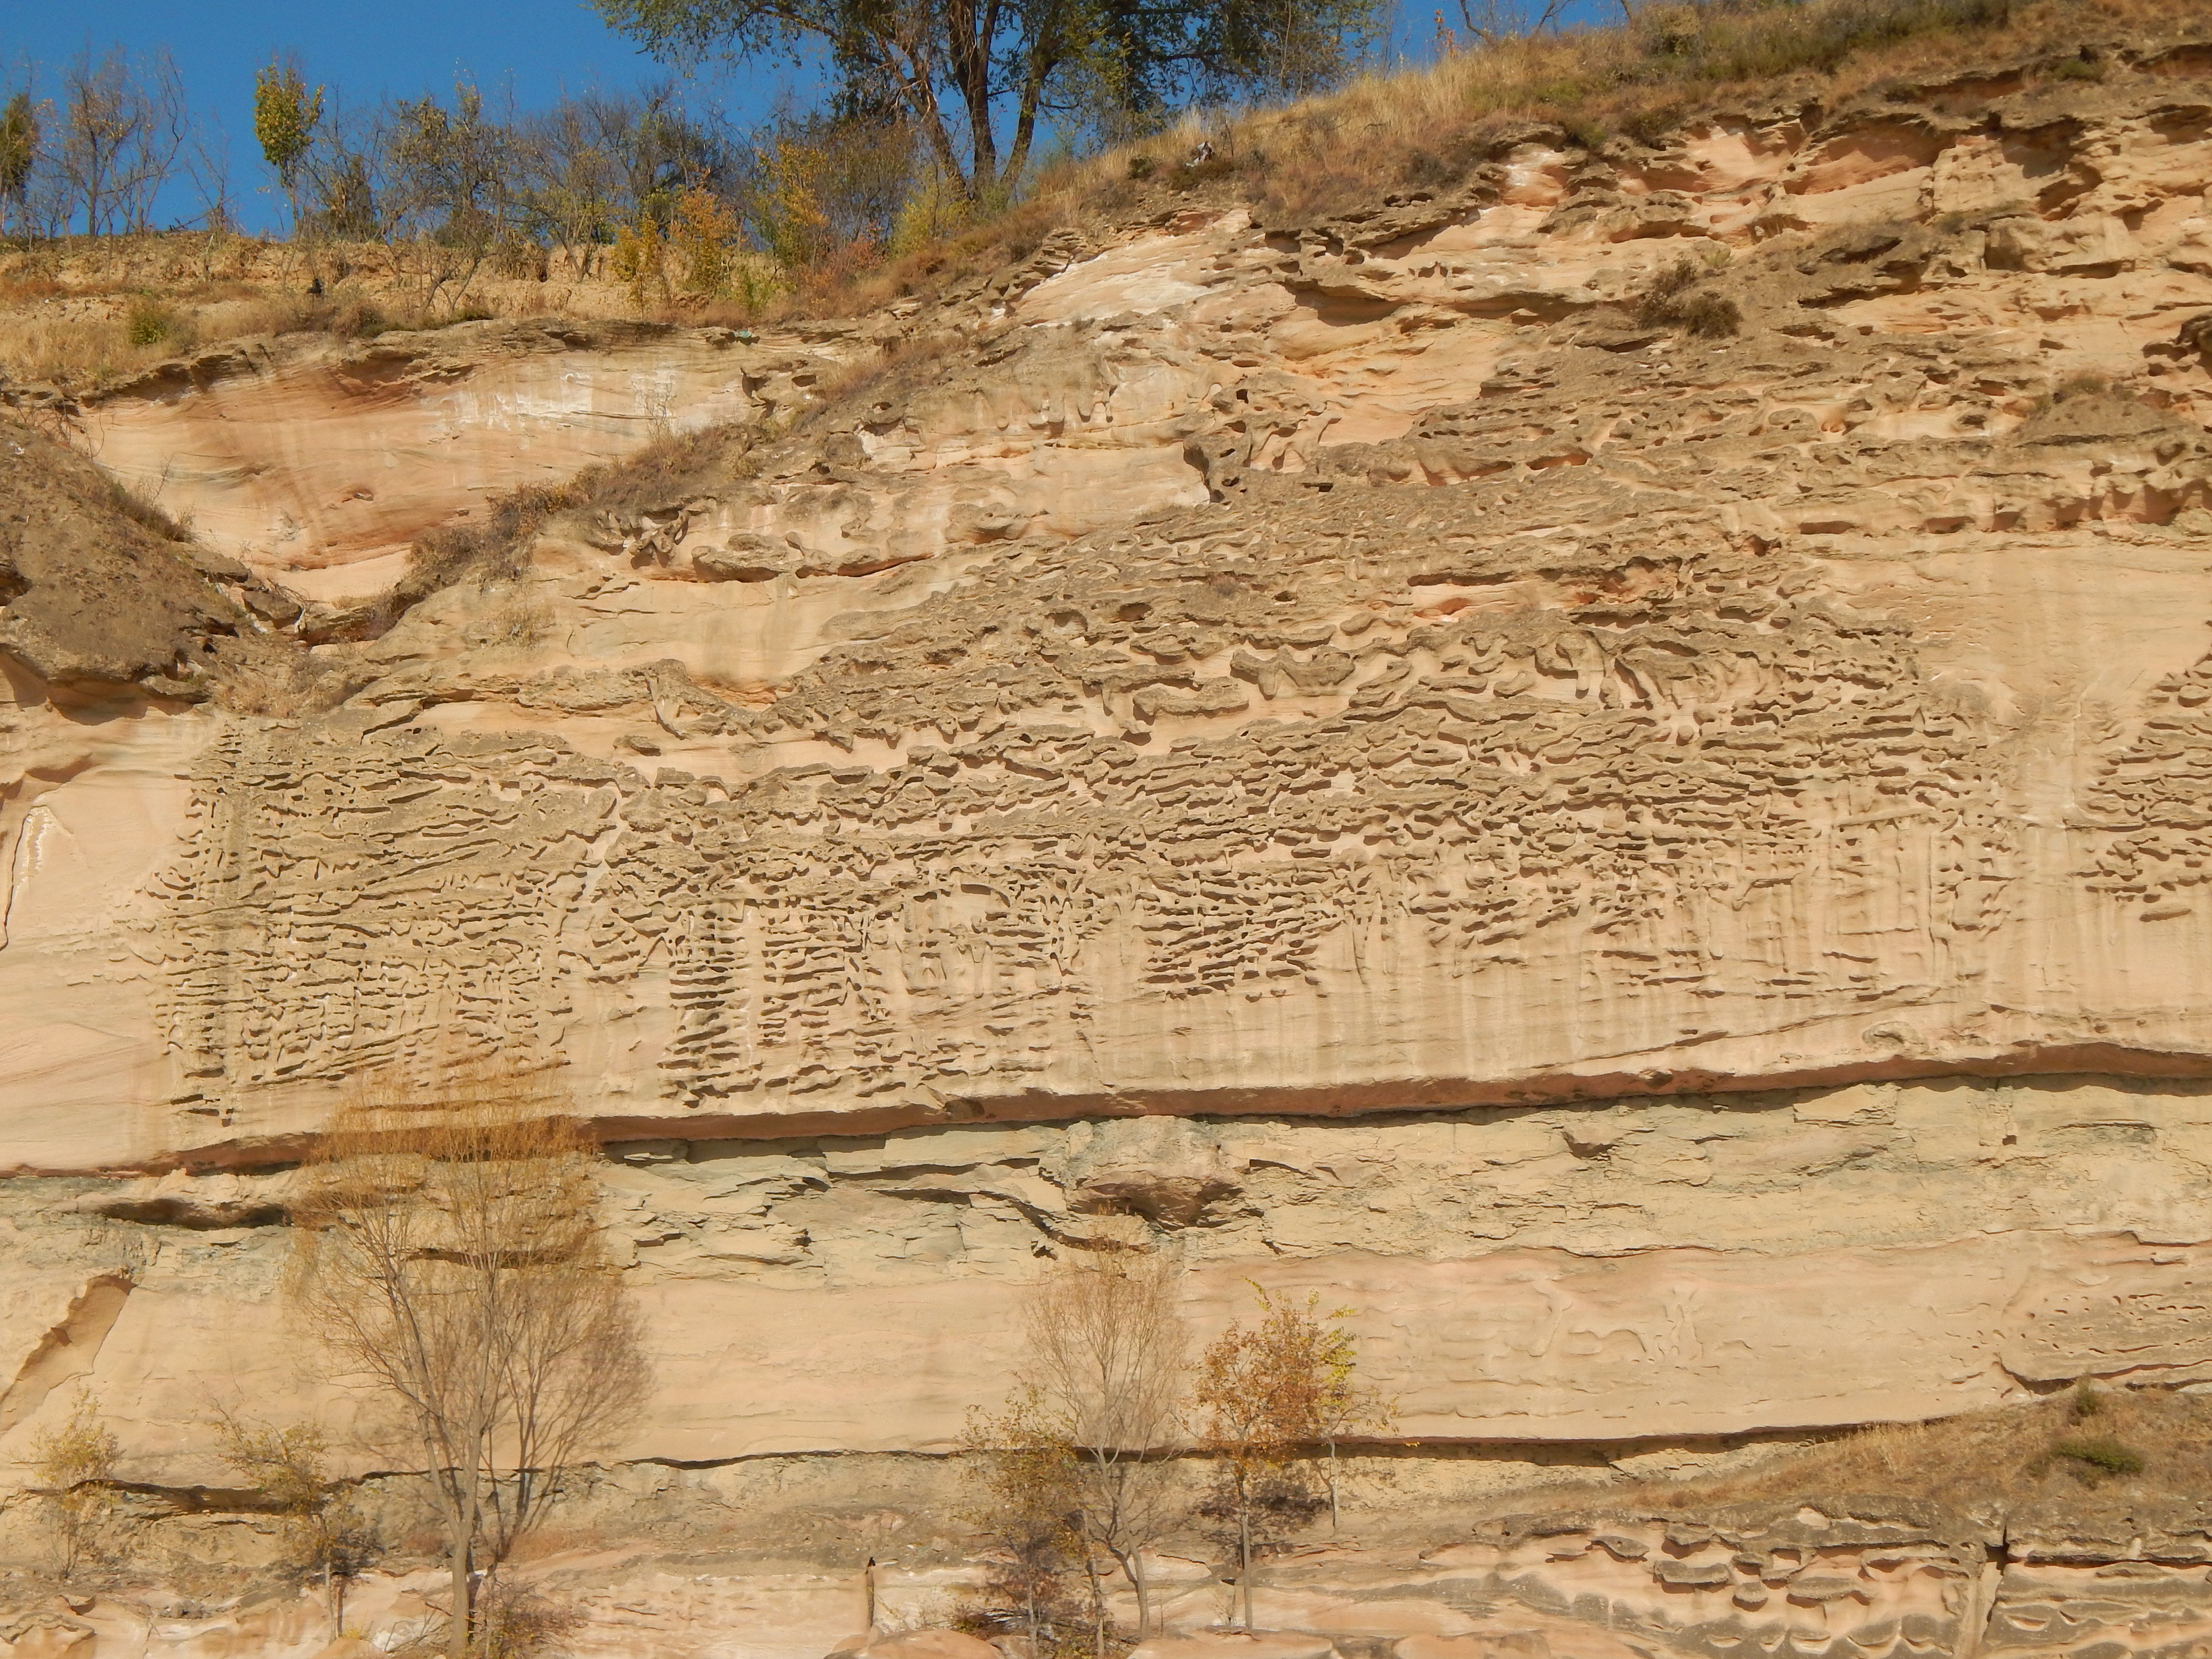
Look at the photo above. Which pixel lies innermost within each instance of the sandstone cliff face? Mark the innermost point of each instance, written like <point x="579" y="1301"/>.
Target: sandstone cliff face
<point x="1664" y="867"/>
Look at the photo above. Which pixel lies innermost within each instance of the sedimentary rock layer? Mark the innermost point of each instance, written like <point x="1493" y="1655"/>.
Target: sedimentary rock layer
<point x="1665" y="867"/>
<point x="1617" y="1275"/>
<point x="1622" y="711"/>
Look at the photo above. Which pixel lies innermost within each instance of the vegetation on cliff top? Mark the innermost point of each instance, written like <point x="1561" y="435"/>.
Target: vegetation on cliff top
<point x="434" y="209"/>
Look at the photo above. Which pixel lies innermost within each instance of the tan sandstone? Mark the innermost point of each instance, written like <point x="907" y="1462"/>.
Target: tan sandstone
<point x="1669" y="872"/>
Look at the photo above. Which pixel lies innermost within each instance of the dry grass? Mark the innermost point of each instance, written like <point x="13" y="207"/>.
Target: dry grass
<point x="90" y="312"/>
<point x="69" y="351"/>
<point x="146" y="513"/>
<point x="496" y="547"/>
<point x="1425" y="128"/>
<point x="2060" y="1449"/>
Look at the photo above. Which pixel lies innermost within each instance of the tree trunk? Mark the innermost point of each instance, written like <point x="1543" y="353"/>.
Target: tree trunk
<point x="1136" y="1571"/>
<point x="1244" y="1559"/>
<point x="1097" y="1604"/>
<point x="457" y="1637"/>
<point x="469" y="1513"/>
<point x="1334" y="1520"/>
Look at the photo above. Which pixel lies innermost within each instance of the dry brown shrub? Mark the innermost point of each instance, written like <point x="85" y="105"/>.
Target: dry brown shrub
<point x="74" y="1463"/>
<point x="1674" y="300"/>
<point x="664" y="472"/>
<point x="496" y="547"/>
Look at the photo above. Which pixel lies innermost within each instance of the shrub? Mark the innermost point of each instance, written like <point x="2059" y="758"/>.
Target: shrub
<point x="1709" y="316"/>
<point x="148" y="323"/>
<point x="358" y="320"/>
<point x="2088" y="383"/>
<point x="755" y="281"/>
<point x="520" y="1623"/>
<point x="2105" y="1456"/>
<point x="1668" y="285"/>
<point x="518" y="258"/>
<point x="74" y="1462"/>
<point x="935" y="210"/>
<point x="2085" y="383"/>
<point x="1654" y="121"/>
<point x="1672" y="301"/>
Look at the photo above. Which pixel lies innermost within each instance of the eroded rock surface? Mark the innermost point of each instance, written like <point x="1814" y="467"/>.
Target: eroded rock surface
<point x="1664" y="866"/>
<point x="318" y="465"/>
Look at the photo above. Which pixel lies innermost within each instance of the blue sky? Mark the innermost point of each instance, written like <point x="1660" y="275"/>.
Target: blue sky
<point x="367" y="50"/>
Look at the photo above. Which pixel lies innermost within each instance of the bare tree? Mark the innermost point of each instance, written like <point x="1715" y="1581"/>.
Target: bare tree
<point x="207" y="170"/>
<point x="1107" y="1346"/>
<point x="573" y="179"/>
<point x="122" y="127"/>
<point x="347" y="178"/>
<point x="1493" y="21"/>
<point x="450" y="1259"/>
<point x="595" y="164"/>
<point x="448" y="194"/>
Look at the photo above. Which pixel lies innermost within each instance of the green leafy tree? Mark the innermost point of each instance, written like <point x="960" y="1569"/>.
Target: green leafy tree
<point x="285" y="117"/>
<point x="974" y="78"/>
<point x="19" y="151"/>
